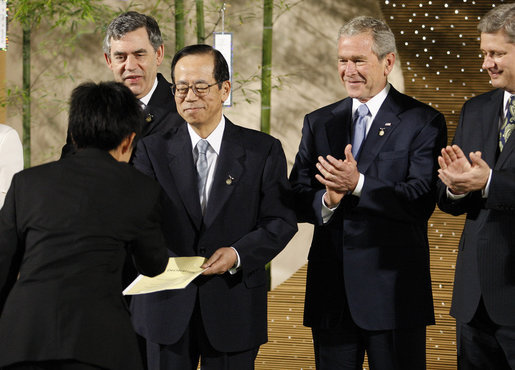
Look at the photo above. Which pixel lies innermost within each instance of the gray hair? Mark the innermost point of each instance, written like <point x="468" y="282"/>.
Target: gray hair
<point x="131" y="21"/>
<point x="382" y="35"/>
<point x="501" y="17"/>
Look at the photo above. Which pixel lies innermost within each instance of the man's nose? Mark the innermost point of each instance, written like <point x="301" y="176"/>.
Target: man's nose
<point x="191" y="95"/>
<point x="130" y="63"/>
<point x="350" y="68"/>
<point x="488" y="62"/>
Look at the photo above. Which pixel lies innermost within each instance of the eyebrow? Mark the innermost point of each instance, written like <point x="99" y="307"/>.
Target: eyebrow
<point x="132" y="52"/>
<point x="195" y="82"/>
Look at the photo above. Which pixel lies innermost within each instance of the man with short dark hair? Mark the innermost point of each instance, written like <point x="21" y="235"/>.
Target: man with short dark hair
<point x="365" y="176"/>
<point x="64" y="229"/>
<point x="227" y="199"/>
<point x="483" y="187"/>
<point x="133" y="50"/>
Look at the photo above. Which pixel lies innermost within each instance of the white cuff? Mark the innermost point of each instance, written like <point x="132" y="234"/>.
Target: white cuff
<point x="237" y="265"/>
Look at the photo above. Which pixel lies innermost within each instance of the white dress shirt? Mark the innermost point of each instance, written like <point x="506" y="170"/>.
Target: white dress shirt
<point x="144" y="100"/>
<point x="11" y="158"/>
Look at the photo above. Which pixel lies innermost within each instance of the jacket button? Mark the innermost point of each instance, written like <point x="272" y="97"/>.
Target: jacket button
<point x="202" y="250"/>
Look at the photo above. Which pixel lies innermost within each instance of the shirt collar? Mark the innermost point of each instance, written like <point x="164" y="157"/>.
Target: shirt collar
<point x="507" y="97"/>
<point x="373" y="104"/>
<point x="214" y="139"/>
<point x="147" y="97"/>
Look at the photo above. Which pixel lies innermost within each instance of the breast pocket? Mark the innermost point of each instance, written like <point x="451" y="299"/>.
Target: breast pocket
<point x="393" y="165"/>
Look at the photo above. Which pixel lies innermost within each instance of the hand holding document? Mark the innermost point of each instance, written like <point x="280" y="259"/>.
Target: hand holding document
<point x="179" y="272"/>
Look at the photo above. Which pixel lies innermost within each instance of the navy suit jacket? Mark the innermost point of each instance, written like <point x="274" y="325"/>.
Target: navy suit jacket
<point x="486" y="257"/>
<point x="251" y="213"/>
<point x="372" y="257"/>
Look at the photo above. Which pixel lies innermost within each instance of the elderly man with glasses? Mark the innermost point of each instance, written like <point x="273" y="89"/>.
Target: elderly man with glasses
<point x="227" y="199"/>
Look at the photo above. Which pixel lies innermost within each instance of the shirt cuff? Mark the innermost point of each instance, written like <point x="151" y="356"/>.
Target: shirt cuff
<point x="327" y="212"/>
<point x="359" y="186"/>
<point x="455" y="196"/>
<point x="486" y="190"/>
<point x="237" y="265"/>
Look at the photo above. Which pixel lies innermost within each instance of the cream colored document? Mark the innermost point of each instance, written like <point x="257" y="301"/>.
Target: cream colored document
<point x="179" y="272"/>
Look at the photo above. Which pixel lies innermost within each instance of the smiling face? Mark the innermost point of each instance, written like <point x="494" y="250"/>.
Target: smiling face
<point x="204" y="112"/>
<point x="362" y="73"/>
<point x="499" y="60"/>
<point x="134" y="61"/>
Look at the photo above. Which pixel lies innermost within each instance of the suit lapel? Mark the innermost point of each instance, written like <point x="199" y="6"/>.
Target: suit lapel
<point x="161" y="102"/>
<point x="180" y="163"/>
<point x="229" y="170"/>
<point x="385" y="123"/>
<point x="339" y="128"/>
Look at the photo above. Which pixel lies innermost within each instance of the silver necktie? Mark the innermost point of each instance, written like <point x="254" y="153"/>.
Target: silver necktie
<point x="202" y="170"/>
<point x="360" y="129"/>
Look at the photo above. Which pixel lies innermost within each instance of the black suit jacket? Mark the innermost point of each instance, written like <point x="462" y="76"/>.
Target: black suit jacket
<point x="160" y="114"/>
<point x="373" y="254"/>
<point x="251" y="213"/>
<point x="63" y="228"/>
<point x="486" y="257"/>
<point x="161" y="111"/>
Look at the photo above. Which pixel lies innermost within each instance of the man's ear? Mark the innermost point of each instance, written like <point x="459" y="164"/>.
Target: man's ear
<point x="389" y="62"/>
<point x="160" y="53"/>
<point x="126" y="145"/>
<point x="108" y="60"/>
<point x="226" y="89"/>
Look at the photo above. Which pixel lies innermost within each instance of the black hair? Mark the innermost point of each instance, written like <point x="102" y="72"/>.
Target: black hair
<point x="221" y="69"/>
<point x="102" y="115"/>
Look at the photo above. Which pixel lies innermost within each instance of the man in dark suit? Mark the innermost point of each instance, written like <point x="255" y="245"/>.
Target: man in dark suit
<point x="227" y="198"/>
<point x="365" y="176"/>
<point x="133" y="50"/>
<point x="63" y="232"/>
<point x="483" y="187"/>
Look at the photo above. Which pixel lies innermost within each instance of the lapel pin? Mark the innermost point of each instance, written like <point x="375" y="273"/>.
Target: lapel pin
<point x="229" y="180"/>
<point x="381" y="131"/>
<point x="387" y="124"/>
<point x="149" y="118"/>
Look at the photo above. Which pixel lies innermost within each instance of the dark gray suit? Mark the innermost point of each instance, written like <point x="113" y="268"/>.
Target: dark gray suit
<point x="248" y="209"/>
<point x="486" y="264"/>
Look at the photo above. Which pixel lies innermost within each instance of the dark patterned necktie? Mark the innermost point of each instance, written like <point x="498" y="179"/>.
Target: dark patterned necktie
<point x="508" y="124"/>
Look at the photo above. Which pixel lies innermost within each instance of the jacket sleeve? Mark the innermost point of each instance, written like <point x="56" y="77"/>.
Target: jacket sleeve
<point x="276" y="219"/>
<point x="149" y="249"/>
<point x="11" y="245"/>
<point x="307" y="190"/>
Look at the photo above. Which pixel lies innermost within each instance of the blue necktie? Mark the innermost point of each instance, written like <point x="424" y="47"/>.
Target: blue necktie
<point x="508" y="124"/>
<point x="360" y="129"/>
<point x="202" y="169"/>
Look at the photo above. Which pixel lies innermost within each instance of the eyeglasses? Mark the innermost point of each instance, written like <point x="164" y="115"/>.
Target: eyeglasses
<point x="198" y="88"/>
